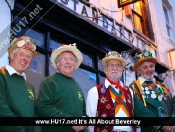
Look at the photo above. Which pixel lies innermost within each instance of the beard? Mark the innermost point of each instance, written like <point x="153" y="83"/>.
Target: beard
<point x="114" y="75"/>
<point x="148" y="77"/>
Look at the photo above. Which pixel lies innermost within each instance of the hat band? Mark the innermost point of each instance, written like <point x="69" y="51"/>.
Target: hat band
<point x="26" y="44"/>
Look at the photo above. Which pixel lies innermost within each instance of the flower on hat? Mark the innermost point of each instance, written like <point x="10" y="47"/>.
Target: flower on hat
<point x="72" y="48"/>
<point x="23" y="42"/>
<point x="113" y="55"/>
<point x="144" y="56"/>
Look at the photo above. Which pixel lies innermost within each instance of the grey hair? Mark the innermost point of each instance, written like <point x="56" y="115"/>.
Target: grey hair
<point x="15" y="50"/>
<point x="58" y="57"/>
<point x="139" y="67"/>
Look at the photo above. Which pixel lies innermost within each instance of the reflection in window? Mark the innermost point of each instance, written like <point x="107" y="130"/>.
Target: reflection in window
<point x="141" y="20"/>
<point x="100" y="65"/>
<point x="36" y="71"/>
<point x="87" y="60"/>
<point x="137" y="7"/>
<point x="37" y="36"/>
<point x="54" y="45"/>
<point x="102" y="79"/>
<point x="167" y="20"/>
<point x="137" y="22"/>
<point x="85" y="79"/>
<point x="52" y="70"/>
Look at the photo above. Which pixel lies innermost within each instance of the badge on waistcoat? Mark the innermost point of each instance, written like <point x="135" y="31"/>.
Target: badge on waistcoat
<point x="162" y="112"/>
<point x="103" y="100"/>
<point x="108" y="106"/>
<point x="104" y="115"/>
<point x="129" y="98"/>
<point x="103" y="89"/>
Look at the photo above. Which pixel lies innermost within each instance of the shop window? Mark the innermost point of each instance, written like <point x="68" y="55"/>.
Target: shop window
<point x="36" y="71"/>
<point x="87" y="60"/>
<point x="100" y="65"/>
<point x="141" y="20"/>
<point x="85" y="79"/>
<point x="37" y="36"/>
<point x="52" y="70"/>
<point x="101" y="79"/>
<point x="166" y="11"/>
<point x="54" y="44"/>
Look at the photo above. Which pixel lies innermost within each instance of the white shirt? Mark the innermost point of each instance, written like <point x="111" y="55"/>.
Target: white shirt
<point x="12" y="71"/>
<point x="91" y="107"/>
<point x="142" y="80"/>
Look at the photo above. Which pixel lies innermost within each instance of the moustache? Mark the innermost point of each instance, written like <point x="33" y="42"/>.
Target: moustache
<point x="114" y="72"/>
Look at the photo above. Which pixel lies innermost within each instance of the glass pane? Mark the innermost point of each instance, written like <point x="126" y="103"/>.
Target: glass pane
<point x="137" y="23"/>
<point x="166" y="14"/>
<point x="54" y="45"/>
<point x="87" y="60"/>
<point x="168" y="31"/>
<point x="102" y="79"/>
<point x="100" y="65"/>
<point x="37" y="36"/>
<point x="52" y="70"/>
<point x="85" y="79"/>
<point x="36" y="71"/>
<point x="138" y="8"/>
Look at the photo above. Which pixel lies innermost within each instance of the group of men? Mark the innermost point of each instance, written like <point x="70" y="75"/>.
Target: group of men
<point x="61" y="96"/>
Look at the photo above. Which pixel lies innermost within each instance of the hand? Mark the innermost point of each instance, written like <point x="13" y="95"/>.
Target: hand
<point x="78" y="128"/>
<point x="168" y="128"/>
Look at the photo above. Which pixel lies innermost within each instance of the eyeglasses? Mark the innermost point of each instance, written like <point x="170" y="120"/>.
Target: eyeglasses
<point x="67" y="59"/>
<point x="116" y="65"/>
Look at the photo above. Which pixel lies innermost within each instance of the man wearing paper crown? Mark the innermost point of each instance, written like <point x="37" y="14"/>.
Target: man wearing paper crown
<point x="151" y="98"/>
<point x="60" y="95"/>
<point x="17" y="96"/>
<point x="111" y="98"/>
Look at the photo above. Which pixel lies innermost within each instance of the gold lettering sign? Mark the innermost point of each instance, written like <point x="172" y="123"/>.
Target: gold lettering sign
<point x="122" y="3"/>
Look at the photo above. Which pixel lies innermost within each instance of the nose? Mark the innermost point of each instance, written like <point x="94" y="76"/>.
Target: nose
<point x="25" y="57"/>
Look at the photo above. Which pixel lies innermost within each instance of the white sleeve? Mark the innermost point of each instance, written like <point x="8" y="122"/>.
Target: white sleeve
<point x="91" y="105"/>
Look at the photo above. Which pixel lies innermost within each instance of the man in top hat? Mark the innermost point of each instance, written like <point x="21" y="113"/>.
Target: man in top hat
<point x="60" y="95"/>
<point x="111" y="98"/>
<point x="17" y="96"/>
<point x="151" y="98"/>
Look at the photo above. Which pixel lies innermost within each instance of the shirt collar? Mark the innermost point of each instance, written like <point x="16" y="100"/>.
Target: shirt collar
<point x="142" y="80"/>
<point x="12" y="71"/>
<point x="107" y="83"/>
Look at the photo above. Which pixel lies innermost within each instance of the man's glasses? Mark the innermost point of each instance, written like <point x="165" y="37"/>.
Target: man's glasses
<point x="67" y="59"/>
<point x="114" y="65"/>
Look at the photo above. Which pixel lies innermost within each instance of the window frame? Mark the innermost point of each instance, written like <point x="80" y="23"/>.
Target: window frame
<point x="168" y="25"/>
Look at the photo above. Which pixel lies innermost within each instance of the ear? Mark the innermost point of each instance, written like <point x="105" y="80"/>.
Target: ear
<point x="138" y="73"/>
<point x="11" y="55"/>
<point x="105" y="69"/>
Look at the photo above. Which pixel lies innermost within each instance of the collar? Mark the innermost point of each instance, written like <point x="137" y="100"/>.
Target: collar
<point x="107" y="83"/>
<point x="142" y="80"/>
<point x="12" y="71"/>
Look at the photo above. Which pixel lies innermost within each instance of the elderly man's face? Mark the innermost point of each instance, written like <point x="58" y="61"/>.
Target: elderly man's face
<point x="67" y="63"/>
<point x="113" y="70"/>
<point x="21" y="59"/>
<point x="146" y="70"/>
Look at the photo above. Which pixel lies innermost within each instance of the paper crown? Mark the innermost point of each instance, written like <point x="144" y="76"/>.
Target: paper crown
<point x="113" y="55"/>
<point x="144" y="56"/>
<point x="72" y="48"/>
<point x="23" y="42"/>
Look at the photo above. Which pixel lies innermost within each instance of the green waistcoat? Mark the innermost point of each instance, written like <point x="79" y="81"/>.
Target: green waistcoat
<point x="155" y="105"/>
